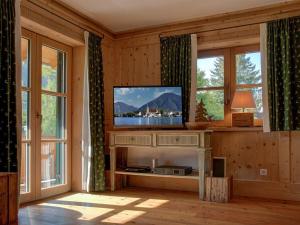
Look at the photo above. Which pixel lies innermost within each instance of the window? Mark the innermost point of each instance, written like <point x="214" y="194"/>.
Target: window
<point x="221" y="72"/>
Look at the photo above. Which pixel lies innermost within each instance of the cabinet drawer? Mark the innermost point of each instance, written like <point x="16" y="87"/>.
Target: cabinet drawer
<point x="180" y="140"/>
<point x="141" y="140"/>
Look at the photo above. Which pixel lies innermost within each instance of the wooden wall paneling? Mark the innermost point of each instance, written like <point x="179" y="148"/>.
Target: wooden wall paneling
<point x="233" y="156"/>
<point x="147" y="65"/>
<point x="127" y="66"/>
<point x="110" y="74"/>
<point x="77" y="107"/>
<point x="295" y="157"/>
<point x="140" y="62"/>
<point x="221" y="147"/>
<point x="154" y="64"/>
<point x="267" y="157"/>
<point x="230" y="37"/>
<point x="284" y="157"/>
<point x="248" y="150"/>
<point x="272" y="190"/>
<point x="132" y="41"/>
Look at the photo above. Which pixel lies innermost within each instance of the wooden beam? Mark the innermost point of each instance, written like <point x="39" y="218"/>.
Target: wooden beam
<point x="68" y="14"/>
<point x="222" y="21"/>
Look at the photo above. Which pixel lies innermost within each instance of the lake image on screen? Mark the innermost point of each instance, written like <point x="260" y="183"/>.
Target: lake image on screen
<point x="157" y="106"/>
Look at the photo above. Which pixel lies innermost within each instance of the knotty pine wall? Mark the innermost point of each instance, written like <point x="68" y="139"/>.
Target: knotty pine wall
<point x="138" y="63"/>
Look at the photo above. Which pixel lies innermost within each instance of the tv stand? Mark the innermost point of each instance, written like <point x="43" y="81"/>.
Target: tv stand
<point x="185" y="140"/>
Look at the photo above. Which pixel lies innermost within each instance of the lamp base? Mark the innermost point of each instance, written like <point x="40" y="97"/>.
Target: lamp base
<point x="242" y="119"/>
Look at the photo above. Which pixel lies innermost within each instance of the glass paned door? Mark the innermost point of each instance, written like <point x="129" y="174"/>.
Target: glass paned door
<point x="53" y="111"/>
<point x="45" y="159"/>
<point x="54" y="116"/>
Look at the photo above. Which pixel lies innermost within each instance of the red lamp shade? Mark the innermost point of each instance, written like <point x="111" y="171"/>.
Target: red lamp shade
<point x="243" y="100"/>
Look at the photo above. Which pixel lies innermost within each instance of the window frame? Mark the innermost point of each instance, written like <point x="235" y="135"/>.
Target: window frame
<point x="230" y="85"/>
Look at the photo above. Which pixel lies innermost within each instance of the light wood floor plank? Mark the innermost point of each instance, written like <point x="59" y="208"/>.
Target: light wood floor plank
<point x="156" y="207"/>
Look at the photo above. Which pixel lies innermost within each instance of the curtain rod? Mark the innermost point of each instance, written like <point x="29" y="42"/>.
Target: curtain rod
<point x="89" y="29"/>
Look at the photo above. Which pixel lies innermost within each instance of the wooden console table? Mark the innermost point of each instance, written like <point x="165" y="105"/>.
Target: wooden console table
<point x="184" y="140"/>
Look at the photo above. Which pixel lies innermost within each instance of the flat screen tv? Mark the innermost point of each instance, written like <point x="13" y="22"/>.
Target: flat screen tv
<point x="149" y="106"/>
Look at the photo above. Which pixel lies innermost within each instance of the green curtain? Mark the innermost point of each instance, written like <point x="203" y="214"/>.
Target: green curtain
<point x="176" y="60"/>
<point x="283" y="57"/>
<point x="8" y="125"/>
<point x="96" y="104"/>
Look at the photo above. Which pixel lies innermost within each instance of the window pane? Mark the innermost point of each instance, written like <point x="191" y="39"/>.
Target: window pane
<point x="52" y="164"/>
<point x="25" y="62"/>
<point x="53" y="70"/>
<point x="257" y="95"/>
<point x="210" y="72"/>
<point x="248" y="68"/>
<point x="53" y="120"/>
<point x="214" y="103"/>
<point x="25" y="115"/>
<point x="25" y="162"/>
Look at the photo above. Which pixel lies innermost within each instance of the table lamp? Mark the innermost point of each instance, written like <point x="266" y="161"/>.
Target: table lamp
<point x="243" y="100"/>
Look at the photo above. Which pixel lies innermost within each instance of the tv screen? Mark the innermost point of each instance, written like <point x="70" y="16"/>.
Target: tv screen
<point x="148" y="106"/>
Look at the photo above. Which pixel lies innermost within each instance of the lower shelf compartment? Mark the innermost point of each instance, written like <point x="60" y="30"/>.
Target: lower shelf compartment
<point x="194" y="175"/>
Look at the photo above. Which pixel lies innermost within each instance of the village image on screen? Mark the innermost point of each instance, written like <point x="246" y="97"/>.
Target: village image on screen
<point x="158" y="106"/>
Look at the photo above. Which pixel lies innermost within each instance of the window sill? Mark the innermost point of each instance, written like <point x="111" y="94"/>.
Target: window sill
<point x="236" y="129"/>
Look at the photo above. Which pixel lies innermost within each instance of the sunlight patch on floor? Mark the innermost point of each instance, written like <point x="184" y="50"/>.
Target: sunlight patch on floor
<point x="152" y="203"/>
<point x="87" y="213"/>
<point x="99" y="199"/>
<point x="123" y="217"/>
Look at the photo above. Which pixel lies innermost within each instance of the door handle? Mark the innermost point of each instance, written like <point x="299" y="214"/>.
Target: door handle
<point x="39" y="116"/>
<point x="228" y="94"/>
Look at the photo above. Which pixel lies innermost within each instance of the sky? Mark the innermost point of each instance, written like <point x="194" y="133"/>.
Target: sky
<point x="207" y="64"/>
<point x="137" y="97"/>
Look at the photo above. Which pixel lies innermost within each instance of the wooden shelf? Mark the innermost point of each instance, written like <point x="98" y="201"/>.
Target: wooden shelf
<point x="193" y="176"/>
<point x="236" y="129"/>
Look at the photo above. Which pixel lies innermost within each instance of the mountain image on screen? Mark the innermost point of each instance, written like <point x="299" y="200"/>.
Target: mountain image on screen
<point x="167" y="102"/>
<point x="121" y="107"/>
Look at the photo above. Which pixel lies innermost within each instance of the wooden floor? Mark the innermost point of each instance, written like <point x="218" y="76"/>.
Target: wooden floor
<point x="156" y="207"/>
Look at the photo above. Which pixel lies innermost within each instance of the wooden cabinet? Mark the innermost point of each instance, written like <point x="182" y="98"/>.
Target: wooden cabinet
<point x="8" y="198"/>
